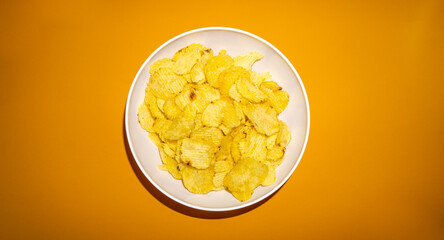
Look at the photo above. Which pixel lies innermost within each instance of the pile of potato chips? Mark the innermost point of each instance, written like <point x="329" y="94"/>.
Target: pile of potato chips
<point x="215" y="121"/>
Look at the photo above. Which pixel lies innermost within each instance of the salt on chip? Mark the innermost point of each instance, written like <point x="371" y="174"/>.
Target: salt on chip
<point x="199" y="181"/>
<point x="247" y="60"/>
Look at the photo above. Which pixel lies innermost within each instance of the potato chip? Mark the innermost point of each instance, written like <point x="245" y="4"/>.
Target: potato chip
<point x="277" y="99"/>
<point x="254" y="146"/>
<point x="210" y="134"/>
<point x="213" y="114"/>
<point x="185" y="97"/>
<point x="284" y="135"/>
<point x="234" y="94"/>
<point x="170" y="109"/>
<point x="215" y="66"/>
<point x="249" y="91"/>
<point x="270" y="85"/>
<point x="229" y="77"/>
<point x="181" y="126"/>
<point x="259" y="78"/>
<point x="221" y="168"/>
<point x="271" y="175"/>
<point x="161" y="63"/>
<point x="225" y="149"/>
<point x="215" y="121"/>
<point x="160" y="103"/>
<point x="246" y="175"/>
<point x="185" y="62"/>
<point x="164" y="83"/>
<point x="205" y="94"/>
<point x="198" y="153"/>
<point x="199" y="181"/>
<point x="151" y="102"/>
<point x="197" y="74"/>
<point x="170" y="165"/>
<point x="155" y="139"/>
<point x="275" y="153"/>
<point x="263" y="117"/>
<point x="271" y="141"/>
<point x="230" y="118"/>
<point x="247" y="60"/>
<point x="146" y="121"/>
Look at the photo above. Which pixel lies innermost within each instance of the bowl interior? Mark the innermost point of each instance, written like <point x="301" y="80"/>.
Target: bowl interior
<point x="235" y="42"/>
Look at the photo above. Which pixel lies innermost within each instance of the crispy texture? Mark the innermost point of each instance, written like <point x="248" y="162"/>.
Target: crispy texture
<point x="199" y="181"/>
<point x="245" y="176"/>
<point x="247" y="60"/>
<point x="263" y="117"/>
<point x="198" y="153"/>
<point x="215" y="66"/>
<point x="214" y="121"/>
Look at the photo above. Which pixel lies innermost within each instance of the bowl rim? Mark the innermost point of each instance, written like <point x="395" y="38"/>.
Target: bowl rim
<point x="277" y="187"/>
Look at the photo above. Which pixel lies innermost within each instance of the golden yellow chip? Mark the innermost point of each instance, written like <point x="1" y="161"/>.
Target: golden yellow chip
<point x="146" y="121"/>
<point x="247" y="60"/>
<point x="249" y="91"/>
<point x="181" y="126"/>
<point x="271" y="176"/>
<point x="209" y="134"/>
<point x="197" y="74"/>
<point x="205" y="94"/>
<point x="277" y="99"/>
<point x="151" y="102"/>
<point x="215" y="66"/>
<point x="254" y="146"/>
<point x="164" y="83"/>
<point x="213" y="114"/>
<point x="170" y="165"/>
<point x="284" y="136"/>
<point x="198" y="153"/>
<point x="263" y="118"/>
<point x="259" y="78"/>
<point x="245" y="176"/>
<point x="161" y="63"/>
<point x="270" y="85"/>
<point x="214" y="120"/>
<point x="199" y="181"/>
<point x="229" y="77"/>
<point x="170" y="109"/>
<point x="275" y="153"/>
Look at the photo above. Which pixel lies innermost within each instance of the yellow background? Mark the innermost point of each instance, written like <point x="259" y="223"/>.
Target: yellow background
<point x="373" y="167"/>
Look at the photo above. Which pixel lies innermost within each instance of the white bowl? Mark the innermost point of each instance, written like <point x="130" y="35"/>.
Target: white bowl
<point x="296" y="115"/>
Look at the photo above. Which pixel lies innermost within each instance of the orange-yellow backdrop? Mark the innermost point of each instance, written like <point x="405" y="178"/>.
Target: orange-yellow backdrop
<point x="373" y="168"/>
